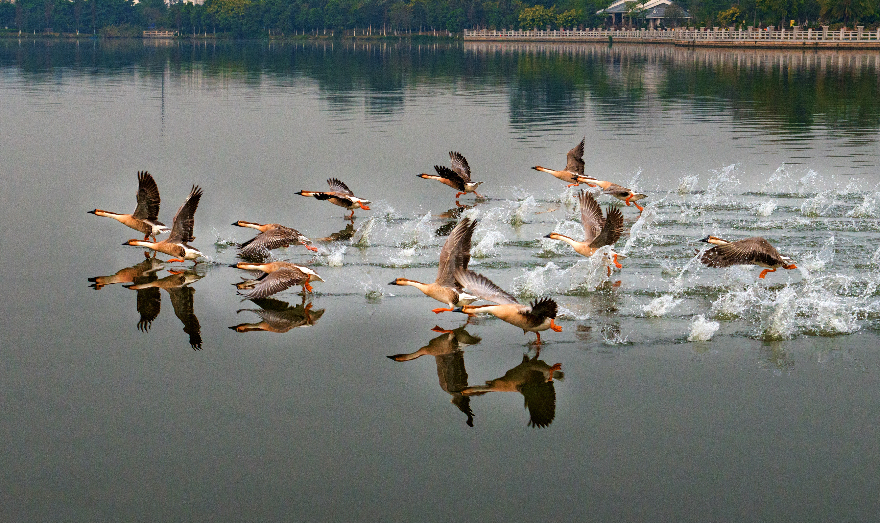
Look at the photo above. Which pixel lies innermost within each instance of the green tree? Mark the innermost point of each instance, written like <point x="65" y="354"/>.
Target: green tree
<point x="848" y="11"/>
<point x="732" y="16"/>
<point x="536" y="17"/>
<point x="569" y="18"/>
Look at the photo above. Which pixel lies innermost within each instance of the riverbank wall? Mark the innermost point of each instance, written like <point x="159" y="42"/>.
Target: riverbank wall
<point x="794" y="38"/>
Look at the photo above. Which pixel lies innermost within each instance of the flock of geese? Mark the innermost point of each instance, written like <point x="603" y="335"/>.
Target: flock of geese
<point x="455" y="286"/>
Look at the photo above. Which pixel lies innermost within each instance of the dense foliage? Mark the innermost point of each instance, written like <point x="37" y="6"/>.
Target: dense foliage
<point x="289" y="17"/>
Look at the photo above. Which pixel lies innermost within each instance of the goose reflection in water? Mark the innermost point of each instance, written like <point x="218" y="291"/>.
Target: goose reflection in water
<point x="135" y="274"/>
<point x="344" y="235"/>
<point x="446" y="349"/>
<point x="177" y="284"/>
<point x="533" y="378"/>
<point x="279" y="316"/>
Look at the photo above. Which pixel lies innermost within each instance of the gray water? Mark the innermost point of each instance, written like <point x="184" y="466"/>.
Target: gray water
<point x="689" y="393"/>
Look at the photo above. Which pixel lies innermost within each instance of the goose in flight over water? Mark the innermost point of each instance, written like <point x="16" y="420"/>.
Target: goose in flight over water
<point x="598" y="231"/>
<point x="459" y="177"/>
<point x="454" y="256"/>
<point x="278" y="277"/>
<point x="750" y="251"/>
<point x="536" y="317"/>
<point x="339" y="194"/>
<point x="177" y="243"/>
<point x="272" y="236"/>
<point x="145" y="217"/>
<point x="573" y="173"/>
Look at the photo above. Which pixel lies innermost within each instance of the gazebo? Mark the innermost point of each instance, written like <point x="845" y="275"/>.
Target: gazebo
<point x="655" y="11"/>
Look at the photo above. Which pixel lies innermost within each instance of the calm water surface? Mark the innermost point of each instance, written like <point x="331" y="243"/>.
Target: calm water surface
<point x="689" y="393"/>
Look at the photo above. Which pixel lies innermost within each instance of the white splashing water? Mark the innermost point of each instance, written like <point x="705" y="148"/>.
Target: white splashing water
<point x="688" y="184"/>
<point x="416" y="233"/>
<point x="403" y="257"/>
<point x="661" y="306"/>
<point x="361" y="236"/>
<point x="779" y="320"/>
<point x="335" y="256"/>
<point x="876" y="258"/>
<point x="523" y="211"/>
<point x="765" y="208"/>
<point x="643" y="229"/>
<point x="703" y="329"/>
<point x="866" y="209"/>
<point x="817" y="261"/>
<point x="487" y="245"/>
<point x="819" y="205"/>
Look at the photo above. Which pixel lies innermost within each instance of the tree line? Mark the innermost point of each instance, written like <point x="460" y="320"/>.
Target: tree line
<point x="267" y="18"/>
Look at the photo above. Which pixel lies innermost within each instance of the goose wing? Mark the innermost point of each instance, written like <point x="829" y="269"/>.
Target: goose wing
<point x="591" y="216"/>
<point x="182" y="228"/>
<point x="482" y="287"/>
<point x="277" y="281"/>
<point x="755" y="250"/>
<point x="456" y="253"/>
<point x="339" y="188"/>
<point x="460" y="165"/>
<point x="182" y="301"/>
<point x="540" y="309"/>
<point x="272" y="239"/>
<point x="611" y="230"/>
<point x="147" y="197"/>
<point x="575" y="163"/>
<point x="448" y="174"/>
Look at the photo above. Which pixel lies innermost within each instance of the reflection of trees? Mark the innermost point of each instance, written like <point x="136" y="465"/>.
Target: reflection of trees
<point x="546" y="83"/>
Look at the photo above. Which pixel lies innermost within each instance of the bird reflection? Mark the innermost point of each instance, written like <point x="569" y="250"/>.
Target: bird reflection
<point x="341" y="236"/>
<point x="177" y="284"/>
<point x="145" y="269"/>
<point x="446" y="349"/>
<point x="279" y="316"/>
<point x="532" y="378"/>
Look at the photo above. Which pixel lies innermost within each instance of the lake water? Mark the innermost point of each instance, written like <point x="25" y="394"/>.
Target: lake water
<point x="689" y="393"/>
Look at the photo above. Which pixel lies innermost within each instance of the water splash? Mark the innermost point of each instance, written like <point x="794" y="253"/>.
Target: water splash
<point x="403" y="257"/>
<point x="702" y="329"/>
<point x="660" y="306"/>
<point x="415" y="233"/>
<point x="522" y="211"/>
<point x="779" y="321"/>
<point x="361" y="236"/>
<point x="765" y="208"/>
<point x="817" y="261"/>
<point x="819" y="205"/>
<point x="335" y="256"/>
<point x="866" y="209"/>
<point x="487" y="245"/>
<point x="643" y="230"/>
<point x="688" y="184"/>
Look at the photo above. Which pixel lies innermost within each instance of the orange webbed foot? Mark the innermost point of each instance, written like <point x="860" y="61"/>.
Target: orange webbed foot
<point x="459" y="194"/>
<point x="639" y="207"/>
<point x="307" y="287"/>
<point x="442" y="309"/>
<point x="441" y="330"/>
<point x="556" y="328"/>
<point x="573" y="184"/>
<point x="172" y="260"/>
<point x="789" y="267"/>
<point x="616" y="264"/>
<point x="554" y="368"/>
<point x="764" y="273"/>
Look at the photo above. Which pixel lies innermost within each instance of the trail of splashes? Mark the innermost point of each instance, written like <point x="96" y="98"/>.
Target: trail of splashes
<point x="688" y="184"/>
<point x="582" y="277"/>
<point x="486" y="247"/>
<point x="420" y="232"/>
<point x="765" y="208"/>
<point x="817" y="261"/>
<point x="335" y="256"/>
<point x="702" y="329"/>
<point x="819" y="205"/>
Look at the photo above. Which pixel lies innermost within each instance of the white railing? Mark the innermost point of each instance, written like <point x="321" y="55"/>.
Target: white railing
<point x="794" y="35"/>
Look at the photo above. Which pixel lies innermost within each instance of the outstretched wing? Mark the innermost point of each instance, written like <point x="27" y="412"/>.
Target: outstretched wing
<point x="182" y="301"/>
<point x="591" y="216"/>
<point x="611" y="230"/>
<point x="448" y="174"/>
<point x="540" y="309"/>
<point x="276" y="282"/>
<point x="260" y="244"/>
<point x="456" y="252"/>
<point x="460" y="165"/>
<point x="147" y="197"/>
<point x="182" y="229"/>
<point x="575" y="162"/>
<point x="339" y="187"/>
<point x="482" y="287"/>
<point x="749" y="251"/>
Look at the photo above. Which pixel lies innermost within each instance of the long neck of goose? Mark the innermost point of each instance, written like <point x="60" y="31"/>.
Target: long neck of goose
<point x="417" y="284"/>
<point x="142" y="243"/>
